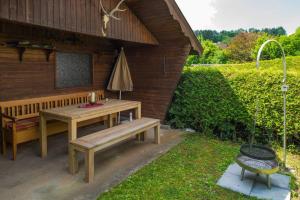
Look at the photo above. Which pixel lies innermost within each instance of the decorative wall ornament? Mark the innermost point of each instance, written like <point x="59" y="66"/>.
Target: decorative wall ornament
<point x="108" y="15"/>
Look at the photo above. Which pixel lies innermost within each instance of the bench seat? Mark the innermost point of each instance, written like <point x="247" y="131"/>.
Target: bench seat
<point x="102" y="139"/>
<point x="24" y="123"/>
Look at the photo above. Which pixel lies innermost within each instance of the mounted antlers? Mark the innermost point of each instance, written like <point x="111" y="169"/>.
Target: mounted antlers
<point x="108" y="15"/>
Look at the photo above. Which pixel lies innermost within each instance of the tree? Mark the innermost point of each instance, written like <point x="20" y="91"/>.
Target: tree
<point x="212" y="54"/>
<point x="290" y="44"/>
<point x="271" y="51"/>
<point x="211" y="35"/>
<point x="274" y="31"/>
<point x="192" y="60"/>
<point x="226" y="36"/>
<point x="240" y="47"/>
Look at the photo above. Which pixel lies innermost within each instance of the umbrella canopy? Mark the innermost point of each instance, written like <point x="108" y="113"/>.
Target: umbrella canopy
<point x="120" y="79"/>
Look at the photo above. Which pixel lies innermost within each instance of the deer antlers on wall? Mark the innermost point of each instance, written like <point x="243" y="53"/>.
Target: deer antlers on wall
<point x="108" y="15"/>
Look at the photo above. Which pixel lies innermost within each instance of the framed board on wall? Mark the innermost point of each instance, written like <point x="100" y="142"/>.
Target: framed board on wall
<point x="73" y="70"/>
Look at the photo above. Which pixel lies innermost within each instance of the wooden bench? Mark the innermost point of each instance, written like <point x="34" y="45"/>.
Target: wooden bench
<point x="100" y="140"/>
<point x="20" y="118"/>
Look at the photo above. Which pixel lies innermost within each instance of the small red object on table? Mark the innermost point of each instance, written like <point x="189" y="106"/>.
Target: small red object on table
<point x="89" y="105"/>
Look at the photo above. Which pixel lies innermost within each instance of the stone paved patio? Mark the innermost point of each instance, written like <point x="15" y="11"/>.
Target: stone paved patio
<point x="30" y="177"/>
<point x="254" y="185"/>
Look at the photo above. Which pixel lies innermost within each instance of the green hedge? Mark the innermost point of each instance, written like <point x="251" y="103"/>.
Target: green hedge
<point x="222" y="100"/>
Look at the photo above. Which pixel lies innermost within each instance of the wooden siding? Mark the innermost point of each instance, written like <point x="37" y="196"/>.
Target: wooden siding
<point x="79" y="16"/>
<point x="35" y="77"/>
<point x="156" y="71"/>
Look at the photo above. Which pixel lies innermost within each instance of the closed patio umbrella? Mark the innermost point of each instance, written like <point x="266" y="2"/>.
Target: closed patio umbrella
<point x="120" y="79"/>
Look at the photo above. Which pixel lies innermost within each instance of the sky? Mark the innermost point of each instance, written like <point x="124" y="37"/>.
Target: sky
<point x="235" y="14"/>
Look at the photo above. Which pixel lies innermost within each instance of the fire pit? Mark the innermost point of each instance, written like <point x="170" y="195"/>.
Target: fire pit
<point x="256" y="166"/>
<point x="258" y="152"/>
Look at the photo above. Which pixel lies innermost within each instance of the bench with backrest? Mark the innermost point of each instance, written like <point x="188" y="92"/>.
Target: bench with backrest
<point x="102" y="139"/>
<point x="20" y="118"/>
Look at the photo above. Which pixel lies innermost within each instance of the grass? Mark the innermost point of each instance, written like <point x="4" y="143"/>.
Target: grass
<point x="188" y="171"/>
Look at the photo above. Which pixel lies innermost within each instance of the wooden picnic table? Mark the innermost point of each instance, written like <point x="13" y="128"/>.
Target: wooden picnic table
<point x="74" y="114"/>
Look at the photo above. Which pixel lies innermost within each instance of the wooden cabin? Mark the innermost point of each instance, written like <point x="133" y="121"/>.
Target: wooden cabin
<point x="52" y="47"/>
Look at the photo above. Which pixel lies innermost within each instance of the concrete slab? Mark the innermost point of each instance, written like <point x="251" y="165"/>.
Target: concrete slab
<point x="277" y="180"/>
<point x="236" y="170"/>
<point x="233" y="182"/>
<point x="261" y="191"/>
<point x="254" y="185"/>
<point x="30" y="177"/>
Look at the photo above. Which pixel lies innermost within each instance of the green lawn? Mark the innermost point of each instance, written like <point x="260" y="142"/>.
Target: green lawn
<point x="188" y="171"/>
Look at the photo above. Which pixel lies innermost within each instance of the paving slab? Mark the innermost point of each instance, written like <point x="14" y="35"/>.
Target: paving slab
<point x="254" y="185"/>
<point x="236" y="170"/>
<point x="233" y="182"/>
<point x="262" y="191"/>
<point x="277" y="180"/>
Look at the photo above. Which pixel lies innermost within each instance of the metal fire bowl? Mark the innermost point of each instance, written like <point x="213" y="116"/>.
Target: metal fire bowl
<point x="258" y="152"/>
<point x="257" y="166"/>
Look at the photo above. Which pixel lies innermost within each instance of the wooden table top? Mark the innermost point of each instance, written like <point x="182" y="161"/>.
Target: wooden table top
<point x="109" y="107"/>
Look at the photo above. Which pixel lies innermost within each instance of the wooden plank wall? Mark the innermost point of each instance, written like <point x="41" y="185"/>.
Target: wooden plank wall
<point x="157" y="71"/>
<point x="35" y="77"/>
<point x="80" y="16"/>
<point x="155" y="77"/>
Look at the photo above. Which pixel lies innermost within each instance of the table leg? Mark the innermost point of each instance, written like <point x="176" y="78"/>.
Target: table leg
<point x="72" y="135"/>
<point x="110" y="121"/>
<point x="72" y="130"/>
<point x="43" y="136"/>
<point x="157" y="134"/>
<point x="138" y="112"/>
<point x="138" y="115"/>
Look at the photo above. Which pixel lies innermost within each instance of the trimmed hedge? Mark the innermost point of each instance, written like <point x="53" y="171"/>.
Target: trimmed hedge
<point x="222" y="100"/>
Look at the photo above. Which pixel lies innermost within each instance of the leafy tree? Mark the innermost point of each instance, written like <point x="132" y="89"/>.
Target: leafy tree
<point x="211" y="35"/>
<point x="225" y="36"/>
<point x="290" y="44"/>
<point x="212" y="54"/>
<point x="271" y="51"/>
<point x="242" y="45"/>
<point x="239" y="50"/>
<point x="274" y="31"/>
<point x="192" y="60"/>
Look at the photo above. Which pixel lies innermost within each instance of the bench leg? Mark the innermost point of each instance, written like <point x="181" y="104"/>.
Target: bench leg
<point x="73" y="162"/>
<point x="14" y="144"/>
<point x="43" y="136"/>
<point x="89" y="166"/>
<point x="14" y="150"/>
<point x="157" y="134"/>
<point x="4" y="142"/>
<point x="141" y="137"/>
<point x="144" y="136"/>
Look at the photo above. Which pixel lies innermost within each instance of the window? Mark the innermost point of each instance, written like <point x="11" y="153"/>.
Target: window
<point x="73" y="70"/>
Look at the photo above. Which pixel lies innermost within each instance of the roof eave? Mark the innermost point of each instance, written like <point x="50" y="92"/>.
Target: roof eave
<point x="196" y="47"/>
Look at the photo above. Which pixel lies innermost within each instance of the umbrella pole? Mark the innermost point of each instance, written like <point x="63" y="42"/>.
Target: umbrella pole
<point x="119" y="117"/>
